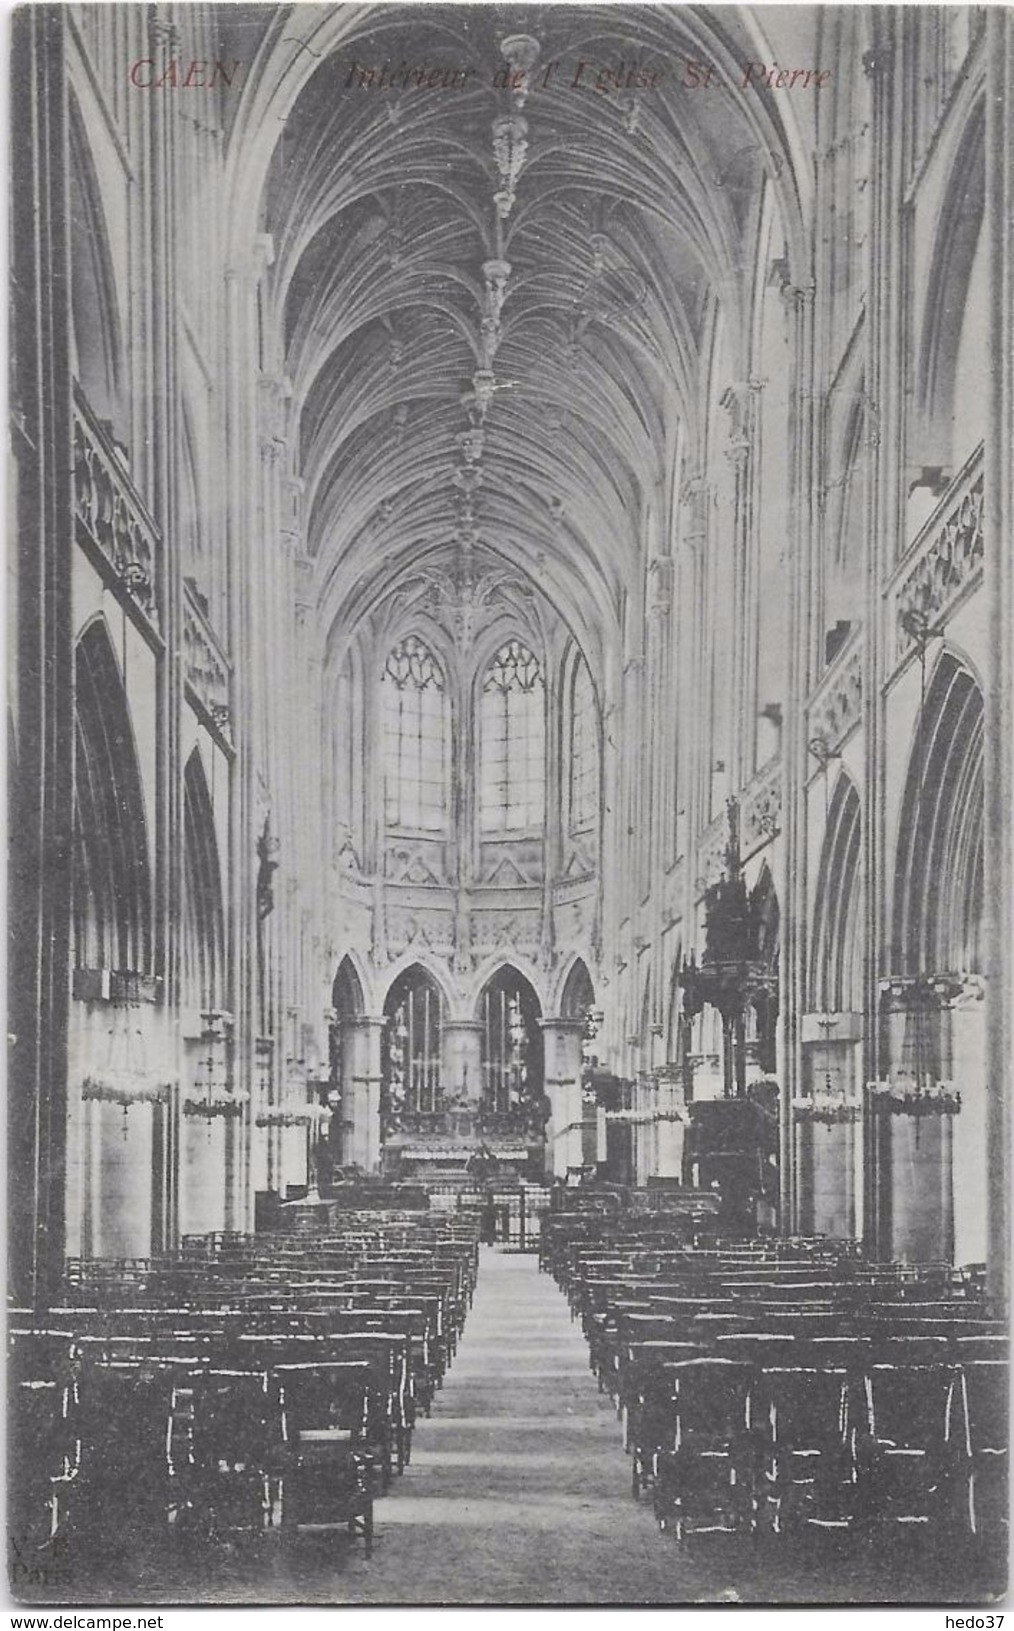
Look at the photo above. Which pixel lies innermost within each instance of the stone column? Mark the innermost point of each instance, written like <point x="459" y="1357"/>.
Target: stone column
<point x="564" y="1132"/>
<point x="671" y="1132"/>
<point x="163" y="447"/>
<point x="739" y="401"/>
<point x="972" y="1146"/>
<point x="461" y="1059"/>
<point x="360" y="1056"/>
<point x="999" y="690"/>
<point x="123" y="1222"/>
<point x="42" y="816"/>
<point x="792" y="885"/>
<point x="242" y="521"/>
<point x="885" y="535"/>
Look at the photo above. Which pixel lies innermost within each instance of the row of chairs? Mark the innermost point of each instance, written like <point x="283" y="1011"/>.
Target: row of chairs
<point x="241" y="1385"/>
<point x="771" y="1386"/>
<point x="782" y="1448"/>
<point x="132" y="1455"/>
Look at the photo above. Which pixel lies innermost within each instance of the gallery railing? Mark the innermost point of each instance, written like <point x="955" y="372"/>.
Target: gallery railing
<point x="943" y="565"/>
<point x="112" y="522"/>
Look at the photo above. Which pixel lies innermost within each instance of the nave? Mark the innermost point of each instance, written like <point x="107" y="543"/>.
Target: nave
<point x="512" y="636"/>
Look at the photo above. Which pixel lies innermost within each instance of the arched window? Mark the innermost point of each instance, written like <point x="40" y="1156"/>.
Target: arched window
<point x="513" y="774"/>
<point x="584" y="755"/>
<point x="415" y="738"/>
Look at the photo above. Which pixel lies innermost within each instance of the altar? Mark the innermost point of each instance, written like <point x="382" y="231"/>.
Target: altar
<point x="468" y="1144"/>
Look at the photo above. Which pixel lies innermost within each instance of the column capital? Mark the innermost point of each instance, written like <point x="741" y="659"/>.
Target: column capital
<point x="363" y="1022"/>
<point x="563" y="1024"/>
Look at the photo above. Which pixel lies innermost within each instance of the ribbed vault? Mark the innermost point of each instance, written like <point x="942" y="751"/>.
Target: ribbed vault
<point x="632" y="216"/>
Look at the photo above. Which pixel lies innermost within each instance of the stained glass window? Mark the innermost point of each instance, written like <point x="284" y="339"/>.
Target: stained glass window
<point x="513" y="747"/>
<point x="415" y="738"/>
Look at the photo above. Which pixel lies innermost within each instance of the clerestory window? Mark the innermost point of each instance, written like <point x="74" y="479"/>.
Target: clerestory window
<point x="513" y="742"/>
<point x="415" y="727"/>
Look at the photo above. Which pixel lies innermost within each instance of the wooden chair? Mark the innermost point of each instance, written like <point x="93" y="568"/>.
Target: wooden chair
<point x="124" y="1497"/>
<point x="801" y="1424"/>
<point x="326" y="1482"/>
<point x="984" y="1424"/>
<point x="705" y="1481"/>
<point x="907" y="1444"/>
<point x="236" y="1451"/>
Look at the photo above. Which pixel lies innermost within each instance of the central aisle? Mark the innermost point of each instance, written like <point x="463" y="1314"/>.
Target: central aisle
<point x="518" y="1490"/>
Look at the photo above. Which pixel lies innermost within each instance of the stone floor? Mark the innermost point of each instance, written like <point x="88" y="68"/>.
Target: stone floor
<point x="519" y="1492"/>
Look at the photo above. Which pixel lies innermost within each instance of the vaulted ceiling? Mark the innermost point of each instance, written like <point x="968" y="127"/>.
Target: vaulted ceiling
<point x="496" y="303"/>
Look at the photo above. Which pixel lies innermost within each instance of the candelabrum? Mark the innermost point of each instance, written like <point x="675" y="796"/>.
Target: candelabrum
<point x="312" y="1115"/>
<point x="213" y="1109"/>
<point x="126" y="1078"/>
<point x="213" y="1098"/>
<point x="905" y="1095"/>
<point x="917" y="1087"/>
<point x="826" y="1108"/>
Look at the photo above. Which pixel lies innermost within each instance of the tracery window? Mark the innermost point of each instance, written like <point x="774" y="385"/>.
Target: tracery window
<point x="584" y="800"/>
<point x="513" y="743"/>
<point x="415" y="738"/>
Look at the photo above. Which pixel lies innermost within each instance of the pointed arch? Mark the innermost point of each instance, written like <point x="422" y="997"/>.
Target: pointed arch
<point x="938" y="899"/>
<point x="96" y="328"/>
<point x="111" y="874"/>
<point x="424" y="961"/>
<point x="411" y="1047"/>
<point x="943" y="330"/>
<point x="347" y="991"/>
<point x="512" y="1045"/>
<point x="836" y="964"/>
<point x="578" y="994"/>
<point x="204" y="915"/>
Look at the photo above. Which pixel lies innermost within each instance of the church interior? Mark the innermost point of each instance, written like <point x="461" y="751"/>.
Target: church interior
<point x="511" y="1004"/>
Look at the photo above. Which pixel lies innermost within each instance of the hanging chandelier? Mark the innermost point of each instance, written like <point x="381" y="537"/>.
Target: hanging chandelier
<point x="126" y="1078"/>
<point x="916" y="1086"/>
<point x="313" y="1115"/>
<point x="217" y="1100"/>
